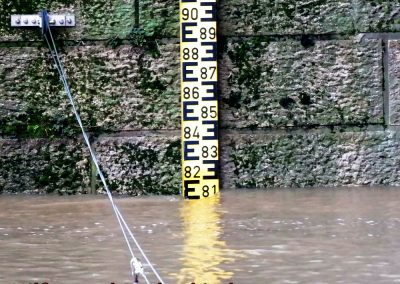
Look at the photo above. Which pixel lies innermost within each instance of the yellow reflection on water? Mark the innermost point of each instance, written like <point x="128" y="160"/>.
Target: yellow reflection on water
<point x="203" y="251"/>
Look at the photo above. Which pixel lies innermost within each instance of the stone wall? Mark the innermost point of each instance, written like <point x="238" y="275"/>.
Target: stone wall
<point x="309" y="95"/>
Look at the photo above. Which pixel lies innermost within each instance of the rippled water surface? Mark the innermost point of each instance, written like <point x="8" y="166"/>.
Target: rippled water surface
<point x="280" y="236"/>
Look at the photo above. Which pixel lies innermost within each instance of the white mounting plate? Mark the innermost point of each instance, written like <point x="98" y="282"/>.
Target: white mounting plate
<point x="67" y="20"/>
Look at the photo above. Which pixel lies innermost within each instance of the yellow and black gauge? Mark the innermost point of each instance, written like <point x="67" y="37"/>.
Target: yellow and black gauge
<point x="199" y="99"/>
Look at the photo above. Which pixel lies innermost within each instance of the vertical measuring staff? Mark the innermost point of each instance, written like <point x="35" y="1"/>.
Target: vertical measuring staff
<point x="199" y="98"/>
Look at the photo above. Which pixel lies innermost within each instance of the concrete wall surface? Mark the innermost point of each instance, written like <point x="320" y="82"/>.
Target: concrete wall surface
<point x="309" y="95"/>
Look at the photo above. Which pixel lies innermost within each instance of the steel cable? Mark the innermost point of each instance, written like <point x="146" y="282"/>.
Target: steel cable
<point x="122" y="223"/>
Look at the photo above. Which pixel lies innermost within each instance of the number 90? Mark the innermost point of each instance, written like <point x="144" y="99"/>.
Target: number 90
<point x="192" y="14"/>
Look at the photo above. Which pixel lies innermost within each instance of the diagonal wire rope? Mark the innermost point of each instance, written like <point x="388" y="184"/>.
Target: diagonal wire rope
<point x="118" y="215"/>
<point x="124" y="226"/>
<point x="140" y="249"/>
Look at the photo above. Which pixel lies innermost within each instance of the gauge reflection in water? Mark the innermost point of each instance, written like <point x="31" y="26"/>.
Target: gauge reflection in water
<point x="204" y="253"/>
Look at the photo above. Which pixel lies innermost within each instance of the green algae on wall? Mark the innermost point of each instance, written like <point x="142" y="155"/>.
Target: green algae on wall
<point x="285" y="17"/>
<point x="141" y="165"/>
<point x="300" y="82"/>
<point x="29" y="87"/>
<point x="159" y="18"/>
<point x="122" y="88"/>
<point x="240" y="17"/>
<point x="108" y="18"/>
<point x="43" y="166"/>
<point x="132" y="165"/>
<point x="159" y="83"/>
<point x="314" y="159"/>
<point x="394" y="82"/>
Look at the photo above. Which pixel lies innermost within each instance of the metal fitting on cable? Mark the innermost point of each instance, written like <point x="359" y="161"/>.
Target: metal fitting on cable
<point x="45" y="22"/>
<point x="137" y="269"/>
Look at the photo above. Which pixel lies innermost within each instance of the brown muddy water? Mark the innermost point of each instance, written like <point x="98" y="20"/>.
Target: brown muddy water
<point x="279" y="236"/>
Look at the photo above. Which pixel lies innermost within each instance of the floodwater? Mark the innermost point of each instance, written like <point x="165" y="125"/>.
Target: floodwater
<point x="274" y="236"/>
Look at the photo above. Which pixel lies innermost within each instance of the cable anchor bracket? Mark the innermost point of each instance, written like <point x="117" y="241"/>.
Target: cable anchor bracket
<point x="43" y="20"/>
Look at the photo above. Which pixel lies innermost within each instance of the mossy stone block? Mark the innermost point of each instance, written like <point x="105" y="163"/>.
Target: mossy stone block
<point x="394" y="82"/>
<point x="240" y="17"/>
<point x="303" y="82"/>
<point x="144" y="164"/>
<point x="43" y="166"/>
<point x="311" y="159"/>
<point x="159" y="18"/>
<point x="122" y="88"/>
